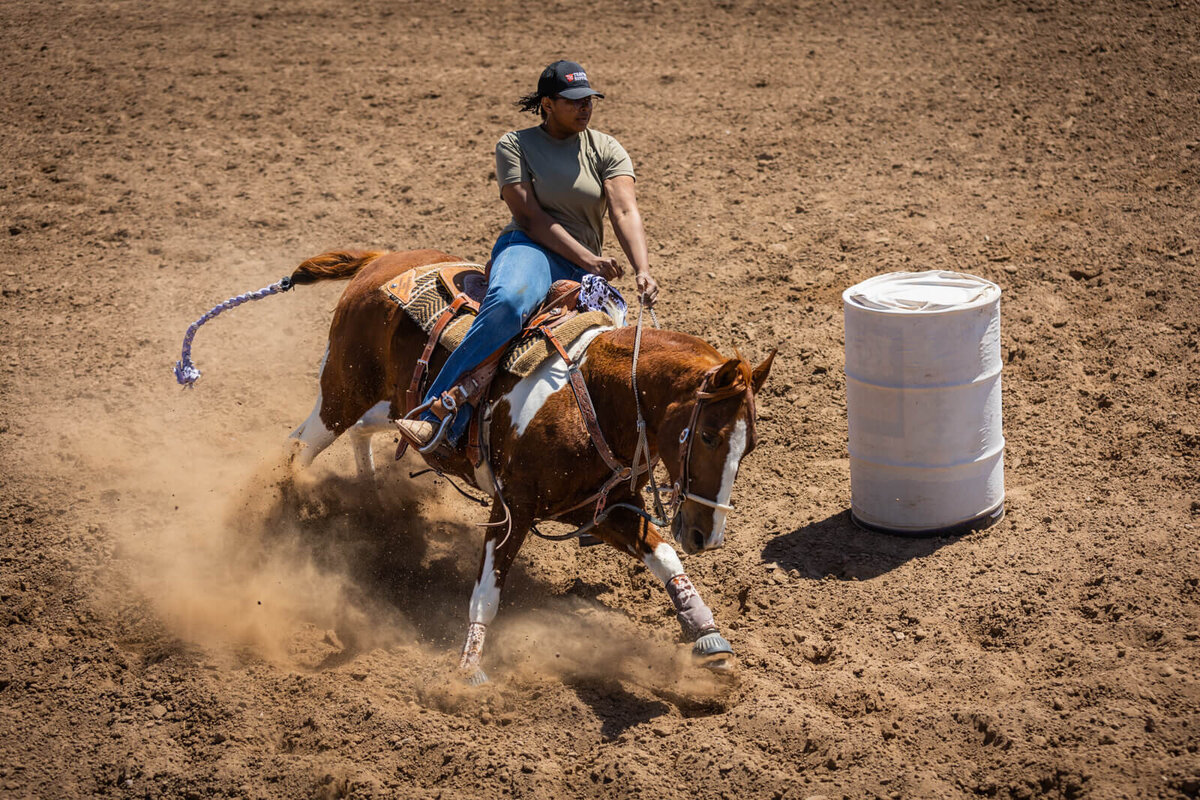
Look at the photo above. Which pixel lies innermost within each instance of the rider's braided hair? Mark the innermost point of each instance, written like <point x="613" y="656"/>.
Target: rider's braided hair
<point x="532" y="103"/>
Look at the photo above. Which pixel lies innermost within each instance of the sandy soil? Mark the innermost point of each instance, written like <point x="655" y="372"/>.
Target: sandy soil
<point x="173" y="626"/>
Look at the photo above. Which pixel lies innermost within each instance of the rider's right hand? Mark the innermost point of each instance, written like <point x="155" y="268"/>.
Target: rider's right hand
<point x="606" y="268"/>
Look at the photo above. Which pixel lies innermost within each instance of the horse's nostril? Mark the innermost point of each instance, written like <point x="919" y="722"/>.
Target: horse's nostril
<point x="697" y="539"/>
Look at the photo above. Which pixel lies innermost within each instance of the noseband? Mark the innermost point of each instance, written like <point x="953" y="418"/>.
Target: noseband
<point x="688" y="435"/>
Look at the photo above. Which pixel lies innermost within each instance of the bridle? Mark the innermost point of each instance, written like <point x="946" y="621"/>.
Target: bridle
<point x="688" y="436"/>
<point x="643" y="462"/>
<point x="681" y="489"/>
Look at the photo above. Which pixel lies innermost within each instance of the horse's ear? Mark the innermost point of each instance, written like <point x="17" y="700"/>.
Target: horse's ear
<point x="760" y="372"/>
<point x="726" y="375"/>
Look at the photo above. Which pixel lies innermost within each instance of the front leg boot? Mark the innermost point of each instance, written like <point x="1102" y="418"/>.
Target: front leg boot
<point x="712" y="650"/>
<point x="468" y="667"/>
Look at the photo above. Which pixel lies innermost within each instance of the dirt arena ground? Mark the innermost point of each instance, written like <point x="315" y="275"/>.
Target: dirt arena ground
<point x="172" y="626"/>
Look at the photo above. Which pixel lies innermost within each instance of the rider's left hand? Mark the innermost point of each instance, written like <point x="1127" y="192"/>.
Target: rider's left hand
<point x="647" y="288"/>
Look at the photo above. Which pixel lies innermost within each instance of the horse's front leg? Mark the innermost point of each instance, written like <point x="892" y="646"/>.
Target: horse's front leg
<point x="635" y="535"/>
<point x="500" y="548"/>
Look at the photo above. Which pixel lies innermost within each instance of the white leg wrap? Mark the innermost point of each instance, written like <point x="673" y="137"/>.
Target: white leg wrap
<point x="473" y="649"/>
<point x="485" y="599"/>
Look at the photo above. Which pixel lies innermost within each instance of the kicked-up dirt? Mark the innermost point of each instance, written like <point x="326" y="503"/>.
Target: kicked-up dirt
<point x="176" y="620"/>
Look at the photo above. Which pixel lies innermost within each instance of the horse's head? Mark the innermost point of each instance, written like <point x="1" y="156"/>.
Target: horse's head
<point x="704" y="447"/>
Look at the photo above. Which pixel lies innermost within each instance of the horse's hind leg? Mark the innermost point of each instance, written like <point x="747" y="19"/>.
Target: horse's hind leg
<point x="311" y="436"/>
<point x="639" y="538"/>
<point x="499" y="550"/>
<point x="374" y="421"/>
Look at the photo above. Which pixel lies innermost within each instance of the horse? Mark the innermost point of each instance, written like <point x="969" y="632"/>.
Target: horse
<point x="694" y="409"/>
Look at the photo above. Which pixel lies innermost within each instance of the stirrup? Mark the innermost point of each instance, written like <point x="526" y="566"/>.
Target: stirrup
<point x="439" y="436"/>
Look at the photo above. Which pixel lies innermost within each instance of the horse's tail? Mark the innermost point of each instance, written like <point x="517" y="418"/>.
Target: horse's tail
<point x="335" y="265"/>
<point x="327" y="266"/>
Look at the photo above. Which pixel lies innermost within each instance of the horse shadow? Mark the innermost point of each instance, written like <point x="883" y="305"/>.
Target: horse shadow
<point x="401" y="560"/>
<point x="837" y="548"/>
<point x="408" y="567"/>
<point x="619" y="708"/>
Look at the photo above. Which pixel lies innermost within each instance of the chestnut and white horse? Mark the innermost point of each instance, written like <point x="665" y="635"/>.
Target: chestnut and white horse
<point x="541" y="462"/>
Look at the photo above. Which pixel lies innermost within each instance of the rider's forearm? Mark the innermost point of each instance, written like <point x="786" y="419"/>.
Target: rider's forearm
<point x="632" y="236"/>
<point x="543" y="229"/>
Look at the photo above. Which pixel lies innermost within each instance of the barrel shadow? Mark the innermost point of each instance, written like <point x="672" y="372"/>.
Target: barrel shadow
<point x="836" y="547"/>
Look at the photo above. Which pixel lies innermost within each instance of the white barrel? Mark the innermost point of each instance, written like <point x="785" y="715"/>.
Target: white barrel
<point x="923" y="400"/>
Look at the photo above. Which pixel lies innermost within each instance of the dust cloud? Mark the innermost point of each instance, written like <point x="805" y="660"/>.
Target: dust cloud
<point x="216" y="542"/>
<point x="575" y="641"/>
<point x="230" y="553"/>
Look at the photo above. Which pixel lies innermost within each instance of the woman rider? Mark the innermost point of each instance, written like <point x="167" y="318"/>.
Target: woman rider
<point x="557" y="179"/>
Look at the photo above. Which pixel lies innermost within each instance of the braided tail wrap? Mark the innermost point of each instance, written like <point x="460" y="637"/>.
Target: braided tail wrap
<point x="186" y="373"/>
<point x="327" y="266"/>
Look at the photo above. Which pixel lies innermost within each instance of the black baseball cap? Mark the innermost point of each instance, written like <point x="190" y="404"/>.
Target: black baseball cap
<point x="565" y="79"/>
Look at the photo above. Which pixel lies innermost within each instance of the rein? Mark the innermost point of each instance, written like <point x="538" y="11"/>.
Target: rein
<point x="587" y="409"/>
<point x="680" y="489"/>
<point x="642" y="459"/>
<point x="642" y="450"/>
<point x="620" y="473"/>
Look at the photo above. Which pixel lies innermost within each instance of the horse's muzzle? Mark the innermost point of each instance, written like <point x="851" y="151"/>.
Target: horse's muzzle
<point x="691" y="538"/>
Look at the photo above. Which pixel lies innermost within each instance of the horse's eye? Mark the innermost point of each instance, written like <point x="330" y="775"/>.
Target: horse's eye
<point x="710" y="439"/>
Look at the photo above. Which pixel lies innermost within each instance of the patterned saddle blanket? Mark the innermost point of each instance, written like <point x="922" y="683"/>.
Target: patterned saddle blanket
<point x="425" y="293"/>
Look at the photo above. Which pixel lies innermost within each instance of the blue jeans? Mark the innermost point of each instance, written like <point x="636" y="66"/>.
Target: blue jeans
<point x="522" y="273"/>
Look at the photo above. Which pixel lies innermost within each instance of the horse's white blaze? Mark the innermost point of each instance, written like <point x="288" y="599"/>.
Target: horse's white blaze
<point x="526" y="399"/>
<point x="485" y="599"/>
<point x="737" y="449"/>
<point x="664" y="562"/>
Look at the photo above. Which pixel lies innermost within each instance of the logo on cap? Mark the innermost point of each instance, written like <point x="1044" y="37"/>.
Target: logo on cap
<point x="575" y="76"/>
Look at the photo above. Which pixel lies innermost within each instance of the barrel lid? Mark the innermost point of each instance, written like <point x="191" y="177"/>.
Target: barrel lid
<point x="921" y="292"/>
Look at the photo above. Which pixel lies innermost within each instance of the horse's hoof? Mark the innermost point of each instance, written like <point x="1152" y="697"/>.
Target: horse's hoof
<point x="476" y="678"/>
<point x="713" y="651"/>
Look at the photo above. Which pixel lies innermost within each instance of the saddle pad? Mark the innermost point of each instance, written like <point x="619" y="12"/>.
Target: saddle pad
<point x="424" y="297"/>
<point x="526" y="354"/>
<point x="453" y="335"/>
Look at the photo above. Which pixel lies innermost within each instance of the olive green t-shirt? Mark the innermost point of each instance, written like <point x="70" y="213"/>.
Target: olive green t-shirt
<point x="567" y="176"/>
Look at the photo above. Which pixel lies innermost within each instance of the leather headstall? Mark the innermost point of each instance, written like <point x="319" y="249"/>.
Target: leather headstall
<point x="687" y="436"/>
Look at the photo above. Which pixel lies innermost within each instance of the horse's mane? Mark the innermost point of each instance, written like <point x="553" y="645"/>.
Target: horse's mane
<point x="666" y="349"/>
